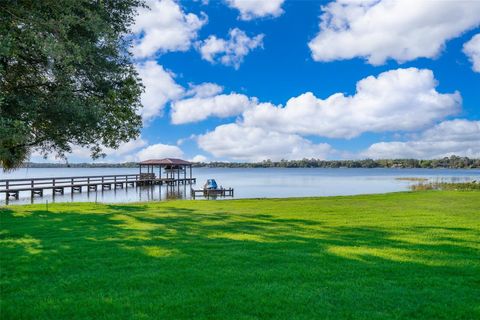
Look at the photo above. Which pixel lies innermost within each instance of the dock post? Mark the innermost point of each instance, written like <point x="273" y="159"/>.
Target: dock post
<point x="6" y="193"/>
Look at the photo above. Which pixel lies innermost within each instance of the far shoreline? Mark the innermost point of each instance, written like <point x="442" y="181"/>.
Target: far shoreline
<point x="452" y="162"/>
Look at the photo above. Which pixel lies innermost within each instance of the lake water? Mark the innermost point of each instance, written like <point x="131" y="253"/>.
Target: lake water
<point x="248" y="183"/>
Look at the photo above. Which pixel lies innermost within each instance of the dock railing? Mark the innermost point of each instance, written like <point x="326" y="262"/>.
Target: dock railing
<point x="13" y="187"/>
<point x="207" y="193"/>
<point x="57" y="182"/>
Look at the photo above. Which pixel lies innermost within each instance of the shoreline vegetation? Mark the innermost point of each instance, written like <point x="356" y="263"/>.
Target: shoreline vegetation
<point x="453" y="162"/>
<point x="428" y="184"/>
<point x="418" y="179"/>
<point x="408" y="255"/>
<point x="458" y="186"/>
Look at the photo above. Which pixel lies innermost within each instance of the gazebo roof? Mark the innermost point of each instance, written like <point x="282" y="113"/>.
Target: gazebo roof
<point x="166" y="161"/>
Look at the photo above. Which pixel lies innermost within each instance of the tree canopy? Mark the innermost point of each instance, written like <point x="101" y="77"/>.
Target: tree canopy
<point x="66" y="77"/>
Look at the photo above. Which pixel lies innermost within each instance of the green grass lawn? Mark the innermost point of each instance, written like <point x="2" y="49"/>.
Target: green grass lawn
<point x="392" y="256"/>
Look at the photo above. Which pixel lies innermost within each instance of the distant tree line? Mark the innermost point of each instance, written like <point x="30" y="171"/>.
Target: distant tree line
<point x="453" y="162"/>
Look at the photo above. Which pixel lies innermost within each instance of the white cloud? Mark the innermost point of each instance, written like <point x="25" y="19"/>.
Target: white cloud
<point x="203" y="2"/>
<point x="204" y="90"/>
<point x="472" y="50"/>
<point x="455" y="137"/>
<point x="164" y="27"/>
<point x="82" y="154"/>
<point x="256" y="144"/>
<point x="381" y="29"/>
<point x="396" y="100"/>
<point x="126" y="148"/>
<point x="207" y="102"/>
<point x="251" y="9"/>
<point x="232" y="51"/>
<point x="199" y="158"/>
<point x="160" y="88"/>
<point x="37" y="156"/>
<point x="159" y="151"/>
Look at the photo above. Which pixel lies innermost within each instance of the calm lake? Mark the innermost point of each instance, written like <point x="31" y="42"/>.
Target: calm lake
<point x="248" y="183"/>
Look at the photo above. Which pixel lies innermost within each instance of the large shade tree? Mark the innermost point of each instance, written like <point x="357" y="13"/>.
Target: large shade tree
<point x="66" y="77"/>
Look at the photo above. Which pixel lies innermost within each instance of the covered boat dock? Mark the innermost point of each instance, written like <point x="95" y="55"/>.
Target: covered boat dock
<point x="170" y="171"/>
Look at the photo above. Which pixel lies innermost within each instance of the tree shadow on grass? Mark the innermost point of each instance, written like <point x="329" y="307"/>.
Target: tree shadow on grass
<point x="183" y="263"/>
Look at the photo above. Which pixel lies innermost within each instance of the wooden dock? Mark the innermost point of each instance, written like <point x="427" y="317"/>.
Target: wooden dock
<point x="208" y="193"/>
<point x="37" y="186"/>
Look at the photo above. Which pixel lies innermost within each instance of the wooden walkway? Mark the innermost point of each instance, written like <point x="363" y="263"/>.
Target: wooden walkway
<point x="207" y="193"/>
<point x="36" y="186"/>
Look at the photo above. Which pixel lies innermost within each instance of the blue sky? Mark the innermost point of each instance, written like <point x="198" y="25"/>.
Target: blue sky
<point x="247" y="80"/>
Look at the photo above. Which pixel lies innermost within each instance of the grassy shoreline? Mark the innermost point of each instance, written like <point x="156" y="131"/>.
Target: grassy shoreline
<point x="398" y="255"/>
